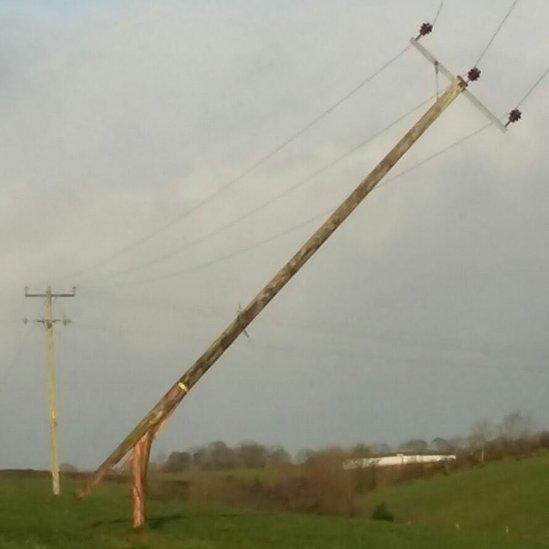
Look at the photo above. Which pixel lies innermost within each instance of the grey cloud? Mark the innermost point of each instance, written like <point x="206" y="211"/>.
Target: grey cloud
<point x="426" y="311"/>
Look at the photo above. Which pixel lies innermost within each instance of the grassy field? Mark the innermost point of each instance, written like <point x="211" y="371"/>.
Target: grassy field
<point x="503" y="496"/>
<point x="483" y="501"/>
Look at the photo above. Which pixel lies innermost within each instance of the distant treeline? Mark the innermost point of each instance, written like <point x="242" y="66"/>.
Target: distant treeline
<point x="315" y="481"/>
<point x="514" y="435"/>
<point x="218" y="455"/>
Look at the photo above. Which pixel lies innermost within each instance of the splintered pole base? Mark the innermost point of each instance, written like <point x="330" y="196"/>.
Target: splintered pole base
<point x="139" y="468"/>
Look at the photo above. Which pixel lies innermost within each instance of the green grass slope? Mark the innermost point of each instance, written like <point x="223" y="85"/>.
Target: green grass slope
<point x="484" y="501"/>
<point x="502" y="496"/>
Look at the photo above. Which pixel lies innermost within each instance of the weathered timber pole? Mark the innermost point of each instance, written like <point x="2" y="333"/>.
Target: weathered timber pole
<point x="52" y="399"/>
<point x="139" y="467"/>
<point x="185" y="383"/>
<point x="48" y="321"/>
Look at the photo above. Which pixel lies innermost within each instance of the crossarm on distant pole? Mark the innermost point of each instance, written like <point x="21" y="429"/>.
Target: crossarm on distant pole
<point x="183" y="385"/>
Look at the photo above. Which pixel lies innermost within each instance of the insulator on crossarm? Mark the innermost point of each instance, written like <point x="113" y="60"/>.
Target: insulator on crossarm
<point x="424" y="30"/>
<point x="473" y="74"/>
<point x="514" y="116"/>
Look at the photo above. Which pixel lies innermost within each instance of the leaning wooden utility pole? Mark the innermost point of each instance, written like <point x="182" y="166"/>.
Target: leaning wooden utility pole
<point x="185" y="383"/>
<point x="48" y="321"/>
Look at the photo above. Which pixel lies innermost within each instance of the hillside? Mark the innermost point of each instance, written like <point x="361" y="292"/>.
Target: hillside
<point x="506" y="495"/>
<point x="483" y="501"/>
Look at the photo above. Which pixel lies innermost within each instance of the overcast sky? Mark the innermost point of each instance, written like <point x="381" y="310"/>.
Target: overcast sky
<point x="426" y="311"/>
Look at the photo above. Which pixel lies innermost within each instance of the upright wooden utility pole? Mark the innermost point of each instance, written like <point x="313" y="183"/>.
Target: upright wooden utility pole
<point x="48" y="321"/>
<point x="185" y="383"/>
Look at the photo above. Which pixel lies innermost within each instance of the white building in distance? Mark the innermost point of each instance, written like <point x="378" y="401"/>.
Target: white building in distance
<point x="394" y="460"/>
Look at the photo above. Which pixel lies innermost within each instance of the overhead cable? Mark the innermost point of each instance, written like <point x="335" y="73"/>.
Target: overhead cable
<point x="15" y="357"/>
<point x="293" y="228"/>
<point x="496" y="32"/>
<point x="437" y="14"/>
<point x="533" y="87"/>
<point x="142" y="240"/>
<point x="168" y="255"/>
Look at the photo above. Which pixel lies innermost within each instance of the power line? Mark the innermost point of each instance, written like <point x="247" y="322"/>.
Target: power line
<point x="123" y="250"/>
<point x="483" y="53"/>
<point x="16" y="355"/>
<point x="533" y="87"/>
<point x="163" y="409"/>
<point x="295" y="227"/>
<point x="218" y="230"/>
<point x="435" y="18"/>
<point x="324" y="113"/>
<point x="435" y="155"/>
<point x="386" y="338"/>
<point x="171" y="306"/>
<point x="168" y="255"/>
<point x="440" y="6"/>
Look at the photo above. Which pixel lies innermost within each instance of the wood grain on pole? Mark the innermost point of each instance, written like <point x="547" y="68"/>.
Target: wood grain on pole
<point x="185" y="383"/>
<point x="52" y="400"/>
<point x="139" y="464"/>
<point x="48" y="321"/>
